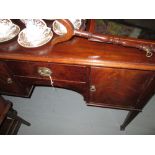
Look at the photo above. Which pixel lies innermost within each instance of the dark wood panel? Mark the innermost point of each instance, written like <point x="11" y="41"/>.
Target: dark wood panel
<point x="118" y="87"/>
<point x="8" y="84"/>
<point x="10" y="127"/>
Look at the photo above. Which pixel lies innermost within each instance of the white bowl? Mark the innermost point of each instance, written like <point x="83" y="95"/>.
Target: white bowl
<point x="35" y="22"/>
<point x="59" y="28"/>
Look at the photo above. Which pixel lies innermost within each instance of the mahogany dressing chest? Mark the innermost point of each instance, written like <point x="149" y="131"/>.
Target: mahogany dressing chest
<point x="106" y="75"/>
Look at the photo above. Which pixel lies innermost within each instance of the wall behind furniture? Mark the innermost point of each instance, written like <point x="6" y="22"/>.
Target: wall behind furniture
<point x="63" y="111"/>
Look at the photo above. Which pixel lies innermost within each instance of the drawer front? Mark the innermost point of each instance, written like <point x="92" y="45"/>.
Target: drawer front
<point x="118" y="88"/>
<point x="8" y="85"/>
<point x="59" y="71"/>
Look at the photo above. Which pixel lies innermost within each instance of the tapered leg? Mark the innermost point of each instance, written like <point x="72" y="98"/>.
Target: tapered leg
<point x="6" y="110"/>
<point x="131" y="115"/>
<point x="13" y="114"/>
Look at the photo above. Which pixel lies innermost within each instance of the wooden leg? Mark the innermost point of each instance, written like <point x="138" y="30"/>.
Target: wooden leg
<point x="131" y="115"/>
<point x="13" y="114"/>
<point x="4" y="108"/>
<point x="10" y="122"/>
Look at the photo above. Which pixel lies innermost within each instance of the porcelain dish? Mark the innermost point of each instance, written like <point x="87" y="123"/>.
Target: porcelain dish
<point x="60" y="29"/>
<point x="25" y="41"/>
<point x="8" y="30"/>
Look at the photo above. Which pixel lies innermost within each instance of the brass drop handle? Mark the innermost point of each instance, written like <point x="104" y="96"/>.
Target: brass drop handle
<point x="92" y="88"/>
<point x="9" y="81"/>
<point x="44" y="71"/>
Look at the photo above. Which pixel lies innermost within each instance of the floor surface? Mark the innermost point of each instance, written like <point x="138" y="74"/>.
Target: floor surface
<point x="64" y="112"/>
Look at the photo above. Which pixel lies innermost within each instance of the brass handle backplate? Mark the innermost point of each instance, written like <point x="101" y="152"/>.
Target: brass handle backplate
<point x="92" y="88"/>
<point x="9" y="81"/>
<point x="44" y="71"/>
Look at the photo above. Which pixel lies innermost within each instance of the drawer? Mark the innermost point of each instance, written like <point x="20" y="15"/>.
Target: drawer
<point x="119" y="88"/>
<point x="59" y="71"/>
<point x="9" y="85"/>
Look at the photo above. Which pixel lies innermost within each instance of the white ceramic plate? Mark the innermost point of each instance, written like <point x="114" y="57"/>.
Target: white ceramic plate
<point x="36" y="22"/>
<point x="8" y="30"/>
<point x="25" y="42"/>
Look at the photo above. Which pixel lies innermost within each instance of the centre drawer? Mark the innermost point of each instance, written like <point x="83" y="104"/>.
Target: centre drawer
<point x="58" y="71"/>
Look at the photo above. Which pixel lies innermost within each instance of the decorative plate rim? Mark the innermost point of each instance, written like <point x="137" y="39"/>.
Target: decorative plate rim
<point x="17" y="30"/>
<point x="50" y="36"/>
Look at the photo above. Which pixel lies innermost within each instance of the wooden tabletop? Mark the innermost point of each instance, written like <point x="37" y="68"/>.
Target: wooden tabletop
<point x="80" y="51"/>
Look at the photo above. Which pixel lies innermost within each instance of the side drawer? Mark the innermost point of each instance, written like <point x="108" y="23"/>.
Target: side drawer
<point x="9" y="85"/>
<point x="59" y="71"/>
<point x="119" y="88"/>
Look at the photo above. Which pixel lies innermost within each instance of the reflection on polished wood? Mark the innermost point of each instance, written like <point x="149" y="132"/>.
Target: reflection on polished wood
<point x="145" y="45"/>
<point x="106" y="75"/>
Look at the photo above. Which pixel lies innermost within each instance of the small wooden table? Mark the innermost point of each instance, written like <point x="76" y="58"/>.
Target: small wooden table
<point x="106" y="75"/>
